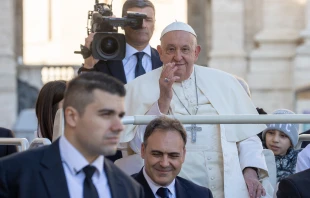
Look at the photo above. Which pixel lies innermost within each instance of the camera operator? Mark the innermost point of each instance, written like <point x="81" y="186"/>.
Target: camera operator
<point x="140" y="57"/>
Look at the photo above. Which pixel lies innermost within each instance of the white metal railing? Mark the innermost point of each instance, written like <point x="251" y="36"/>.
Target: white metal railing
<point x="22" y="142"/>
<point x="219" y="119"/>
<point x="37" y="75"/>
<point x="36" y="142"/>
<point x="224" y="119"/>
<point x="227" y="119"/>
<point x="57" y="73"/>
<point x="302" y="138"/>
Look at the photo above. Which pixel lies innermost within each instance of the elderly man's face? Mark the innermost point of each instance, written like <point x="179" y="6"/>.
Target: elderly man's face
<point x="181" y="48"/>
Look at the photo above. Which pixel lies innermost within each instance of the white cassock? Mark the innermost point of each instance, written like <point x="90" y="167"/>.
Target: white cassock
<point x="220" y="153"/>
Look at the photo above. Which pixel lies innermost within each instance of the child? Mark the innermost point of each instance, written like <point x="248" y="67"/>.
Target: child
<point x="281" y="139"/>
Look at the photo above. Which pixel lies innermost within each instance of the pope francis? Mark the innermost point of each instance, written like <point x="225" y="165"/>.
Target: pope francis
<point x="226" y="158"/>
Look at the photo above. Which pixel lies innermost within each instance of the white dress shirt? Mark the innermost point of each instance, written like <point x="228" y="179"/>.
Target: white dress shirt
<point x="73" y="162"/>
<point x="154" y="187"/>
<point x="130" y="61"/>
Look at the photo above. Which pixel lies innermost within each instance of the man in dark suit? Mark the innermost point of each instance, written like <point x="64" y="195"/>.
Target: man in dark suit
<point x="74" y="165"/>
<point x="6" y="149"/>
<point x="295" y="186"/>
<point x="163" y="151"/>
<point x="137" y="47"/>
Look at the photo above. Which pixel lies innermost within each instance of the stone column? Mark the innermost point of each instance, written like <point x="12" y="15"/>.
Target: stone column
<point x="8" y="96"/>
<point x="302" y="66"/>
<point x="199" y="17"/>
<point x="270" y="74"/>
<point x="302" y="59"/>
<point x="228" y="52"/>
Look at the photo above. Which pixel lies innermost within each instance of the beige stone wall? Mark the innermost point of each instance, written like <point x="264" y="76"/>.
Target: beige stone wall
<point x="199" y="17"/>
<point x="253" y="23"/>
<point x="271" y="63"/>
<point x="227" y="52"/>
<point x="302" y="64"/>
<point x="260" y="41"/>
<point x="167" y="11"/>
<point x="8" y="99"/>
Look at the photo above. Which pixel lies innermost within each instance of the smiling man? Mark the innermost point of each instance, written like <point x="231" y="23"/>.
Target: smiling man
<point x="163" y="151"/>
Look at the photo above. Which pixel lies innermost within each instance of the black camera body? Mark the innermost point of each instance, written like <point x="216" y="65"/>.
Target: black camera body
<point x="107" y="43"/>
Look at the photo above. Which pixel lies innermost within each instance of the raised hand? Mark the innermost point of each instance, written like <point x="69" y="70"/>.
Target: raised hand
<point x="89" y="62"/>
<point x="166" y="80"/>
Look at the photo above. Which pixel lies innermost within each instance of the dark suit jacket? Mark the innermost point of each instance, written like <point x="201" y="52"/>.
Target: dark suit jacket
<point x="183" y="188"/>
<point x="295" y="186"/>
<point x="38" y="173"/>
<point x="115" y="68"/>
<point x="6" y="149"/>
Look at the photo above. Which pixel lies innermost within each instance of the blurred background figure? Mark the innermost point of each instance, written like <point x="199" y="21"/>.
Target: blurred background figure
<point x="50" y="99"/>
<point x="6" y="149"/>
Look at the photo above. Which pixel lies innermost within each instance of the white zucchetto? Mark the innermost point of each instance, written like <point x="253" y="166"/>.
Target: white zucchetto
<point x="178" y="26"/>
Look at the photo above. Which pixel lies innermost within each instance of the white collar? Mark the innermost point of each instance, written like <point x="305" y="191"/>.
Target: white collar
<point x="74" y="160"/>
<point x="154" y="187"/>
<point x="131" y="50"/>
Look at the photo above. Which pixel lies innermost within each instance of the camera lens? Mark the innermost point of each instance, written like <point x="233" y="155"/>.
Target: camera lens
<point x="109" y="45"/>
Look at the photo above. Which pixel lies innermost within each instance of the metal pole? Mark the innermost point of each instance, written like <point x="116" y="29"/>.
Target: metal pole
<point x="43" y="141"/>
<point x="224" y="119"/>
<point x="23" y="142"/>
<point x="302" y="138"/>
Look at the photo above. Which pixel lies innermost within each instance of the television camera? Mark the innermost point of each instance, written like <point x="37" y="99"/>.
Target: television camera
<point x="107" y="43"/>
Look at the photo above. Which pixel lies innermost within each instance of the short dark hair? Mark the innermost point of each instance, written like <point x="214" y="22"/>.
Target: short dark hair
<point x="47" y="105"/>
<point x="164" y="123"/>
<point x="136" y="3"/>
<point x="79" y="92"/>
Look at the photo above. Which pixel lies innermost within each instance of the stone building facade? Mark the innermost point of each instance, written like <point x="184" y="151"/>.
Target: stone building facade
<point x="266" y="42"/>
<point x="8" y="64"/>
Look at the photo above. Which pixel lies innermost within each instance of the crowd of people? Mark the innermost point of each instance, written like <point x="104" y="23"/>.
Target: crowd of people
<point x="178" y="160"/>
